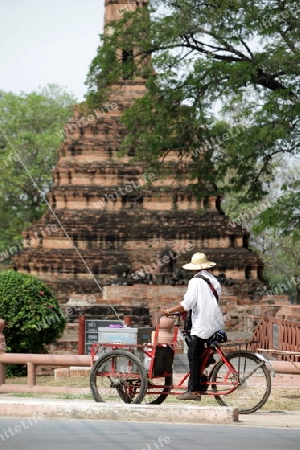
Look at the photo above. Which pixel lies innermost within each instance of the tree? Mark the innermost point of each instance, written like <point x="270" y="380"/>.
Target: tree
<point x="273" y="232"/>
<point x="33" y="318"/>
<point x="30" y="129"/>
<point x="229" y="59"/>
<point x="278" y="249"/>
<point x="282" y="258"/>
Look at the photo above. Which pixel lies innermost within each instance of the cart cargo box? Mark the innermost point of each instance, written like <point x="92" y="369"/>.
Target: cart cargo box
<point x="134" y="336"/>
<point x="125" y="336"/>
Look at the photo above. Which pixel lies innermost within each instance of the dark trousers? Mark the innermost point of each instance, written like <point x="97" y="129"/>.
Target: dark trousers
<point x="195" y="350"/>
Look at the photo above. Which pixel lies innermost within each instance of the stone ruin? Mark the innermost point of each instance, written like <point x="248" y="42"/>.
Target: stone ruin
<point x="120" y="235"/>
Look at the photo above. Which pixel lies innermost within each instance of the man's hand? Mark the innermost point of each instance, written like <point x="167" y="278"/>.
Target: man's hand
<point x="173" y="310"/>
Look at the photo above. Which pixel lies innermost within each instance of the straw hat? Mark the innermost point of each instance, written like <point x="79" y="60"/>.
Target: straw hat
<point x="199" y="262"/>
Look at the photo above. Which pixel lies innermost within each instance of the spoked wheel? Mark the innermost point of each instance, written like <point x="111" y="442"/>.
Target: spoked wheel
<point x="157" y="390"/>
<point x="118" y="376"/>
<point x="253" y="382"/>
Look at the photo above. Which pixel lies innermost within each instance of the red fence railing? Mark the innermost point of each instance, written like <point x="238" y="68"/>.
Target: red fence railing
<point x="280" y="335"/>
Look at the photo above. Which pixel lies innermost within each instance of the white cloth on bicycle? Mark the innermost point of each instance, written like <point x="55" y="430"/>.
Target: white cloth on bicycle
<point x="206" y="313"/>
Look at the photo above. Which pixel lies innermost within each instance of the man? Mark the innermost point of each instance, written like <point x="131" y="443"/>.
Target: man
<point x="201" y="298"/>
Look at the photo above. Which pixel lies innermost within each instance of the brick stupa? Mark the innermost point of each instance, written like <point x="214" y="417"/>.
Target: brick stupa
<point x="130" y="234"/>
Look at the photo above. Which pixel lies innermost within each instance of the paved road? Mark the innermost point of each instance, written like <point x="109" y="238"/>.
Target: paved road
<point x="39" y="434"/>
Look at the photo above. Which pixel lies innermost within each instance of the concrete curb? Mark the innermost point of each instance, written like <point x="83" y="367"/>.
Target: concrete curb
<point x="85" y="409"/>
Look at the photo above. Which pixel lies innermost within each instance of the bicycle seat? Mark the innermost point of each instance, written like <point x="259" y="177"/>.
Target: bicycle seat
<point x="219" y="337"/>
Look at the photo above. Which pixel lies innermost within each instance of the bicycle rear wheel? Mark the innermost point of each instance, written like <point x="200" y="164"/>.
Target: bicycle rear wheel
<point x="118" y="376"/>
<point x="252" y="380"/>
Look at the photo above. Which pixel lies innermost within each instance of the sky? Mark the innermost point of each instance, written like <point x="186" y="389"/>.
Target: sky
<point x="48" y="41"/>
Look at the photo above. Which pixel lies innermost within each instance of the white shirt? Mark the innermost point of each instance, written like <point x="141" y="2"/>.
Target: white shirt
<point x="206" y="314"/>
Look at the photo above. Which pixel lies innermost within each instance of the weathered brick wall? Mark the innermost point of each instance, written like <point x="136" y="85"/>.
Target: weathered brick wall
<point x="141" y="303"/>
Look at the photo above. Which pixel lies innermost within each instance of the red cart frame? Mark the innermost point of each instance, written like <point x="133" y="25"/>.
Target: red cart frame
<point x="144" y="373"/>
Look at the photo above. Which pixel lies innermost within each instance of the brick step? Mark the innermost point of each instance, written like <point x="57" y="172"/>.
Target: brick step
<point x="73" y="371"/>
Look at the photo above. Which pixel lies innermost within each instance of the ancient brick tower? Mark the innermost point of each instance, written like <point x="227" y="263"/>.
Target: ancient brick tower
<point x="126" y="232"/>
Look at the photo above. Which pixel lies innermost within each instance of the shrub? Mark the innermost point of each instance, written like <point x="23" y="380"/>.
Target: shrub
<point x="33" y="318"/>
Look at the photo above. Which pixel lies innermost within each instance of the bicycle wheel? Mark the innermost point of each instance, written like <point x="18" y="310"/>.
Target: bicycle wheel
<point x="118" y="375"/>
<point x="252" y="379"/>
<point x="157" y="391"/>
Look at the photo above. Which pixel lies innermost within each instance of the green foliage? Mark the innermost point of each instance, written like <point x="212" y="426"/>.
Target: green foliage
<point x="283" y="215"/>
<point x="238" y="58"/>
<point x="33" y="318"/>
<point x="29" y="129"/>
<point x="282" y="260"/>
<point x="268" y="222"/>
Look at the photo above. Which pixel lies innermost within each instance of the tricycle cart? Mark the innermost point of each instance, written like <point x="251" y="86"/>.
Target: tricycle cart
<point x="144" y="373"/>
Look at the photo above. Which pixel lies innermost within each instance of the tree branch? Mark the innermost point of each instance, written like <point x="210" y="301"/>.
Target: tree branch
<point x="268" y="80"/>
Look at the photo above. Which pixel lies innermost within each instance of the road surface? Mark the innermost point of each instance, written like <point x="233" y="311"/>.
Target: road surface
<point x="76" y="434"/>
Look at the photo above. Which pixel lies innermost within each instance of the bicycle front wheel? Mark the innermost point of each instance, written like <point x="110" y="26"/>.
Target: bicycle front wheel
<point x="251" y="381"/>
<point x="118" y="376"/>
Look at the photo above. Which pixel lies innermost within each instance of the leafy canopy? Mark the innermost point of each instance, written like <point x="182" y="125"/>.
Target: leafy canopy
<point x="30" y="126"/>
<point x="223" y="93"/>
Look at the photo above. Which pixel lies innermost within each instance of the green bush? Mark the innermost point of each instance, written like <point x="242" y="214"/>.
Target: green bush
<point x="33" y="318"/>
